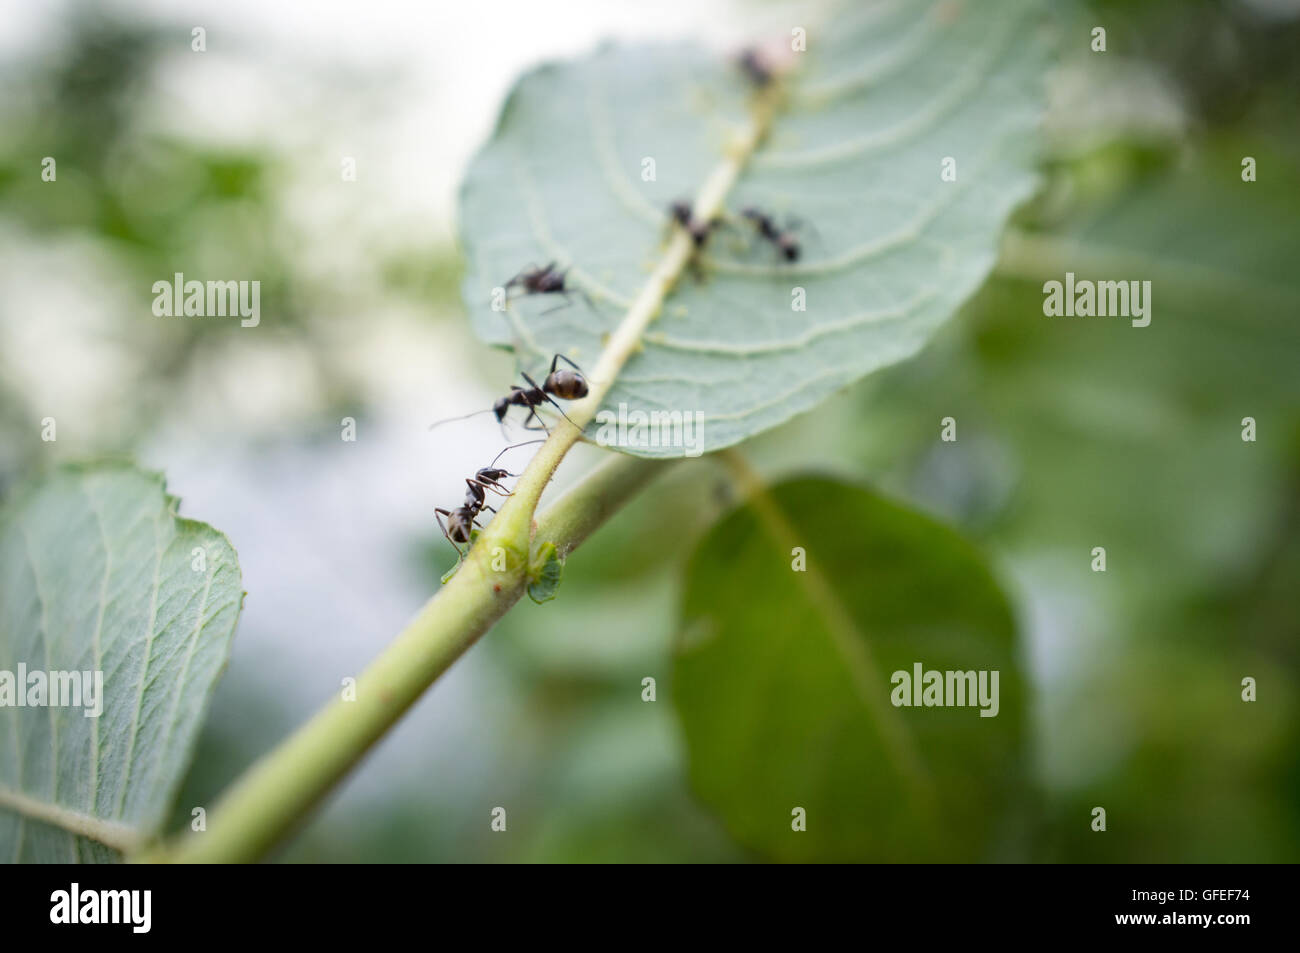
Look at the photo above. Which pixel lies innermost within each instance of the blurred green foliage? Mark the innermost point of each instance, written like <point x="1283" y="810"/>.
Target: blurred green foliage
<point x="799" y="609"/>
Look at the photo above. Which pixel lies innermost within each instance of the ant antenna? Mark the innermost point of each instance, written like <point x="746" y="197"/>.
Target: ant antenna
<point x="514" y="446"/>
<point x="439" y="423"/>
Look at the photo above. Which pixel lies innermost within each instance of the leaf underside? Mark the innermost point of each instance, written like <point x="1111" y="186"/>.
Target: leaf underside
<point x="882" y="96"/>
<point x="98" y="573"/>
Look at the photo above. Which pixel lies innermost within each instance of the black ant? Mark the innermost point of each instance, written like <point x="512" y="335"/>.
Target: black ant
<point x="463" y="519"/>
<point x="680" y="212"/>
<point x="782" y="239"/>
<point x="560" y="382"/>
<point x="546" y="280"/>
<point x="755" y="67"/>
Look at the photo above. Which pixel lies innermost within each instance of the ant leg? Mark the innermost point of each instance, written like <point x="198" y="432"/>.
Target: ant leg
<point x="518" y="279"/>
<point x="568" y="303"/>
<point x="492" y="485"/>
<point x="587" y="298"/>
<point x="552" y="402"/>
<point x="532" y="415"/>
<point x="561" y="357"/>
<point x="547" y="396"/>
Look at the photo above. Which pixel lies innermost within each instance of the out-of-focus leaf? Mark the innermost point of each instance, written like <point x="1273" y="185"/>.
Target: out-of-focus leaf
<point x="783" y="681"/>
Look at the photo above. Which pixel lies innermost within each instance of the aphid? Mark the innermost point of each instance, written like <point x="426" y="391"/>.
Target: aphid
<point x="782" y="239"/>
<point x="461" y="521"/>
<point x="546" y="280"/>
<point x="560" y="382"/>
<point x="755" y="67"/>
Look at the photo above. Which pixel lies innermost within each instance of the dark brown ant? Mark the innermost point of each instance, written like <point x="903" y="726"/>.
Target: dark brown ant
<point x="463" y="519"/>
<point x="681" y="213"/>
<point x="546" y="280"/>
<point x="782" y="239"/>
<point x="560" y="382"/>
<point x="755" y="67"/>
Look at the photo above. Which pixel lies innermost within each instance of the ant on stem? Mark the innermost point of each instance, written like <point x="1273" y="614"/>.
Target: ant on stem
<point x="559" y="382"/>
<point x="681" y="213"/>
<point x="462" y="521"/>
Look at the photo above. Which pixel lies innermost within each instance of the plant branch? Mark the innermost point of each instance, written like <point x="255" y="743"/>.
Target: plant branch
<point x="275" y="794"/>
<point x="278" y="791"/>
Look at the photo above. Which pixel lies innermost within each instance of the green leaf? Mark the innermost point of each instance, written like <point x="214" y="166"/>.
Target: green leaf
<point x="99" y="574"/>
<point x="881" y="97"/>
<point x="544" y="572"/>
<point x="783" y="681"/>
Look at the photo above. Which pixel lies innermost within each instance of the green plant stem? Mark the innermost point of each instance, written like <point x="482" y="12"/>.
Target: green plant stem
<point x="278" y="791"/>
<point x="578" y="513"/>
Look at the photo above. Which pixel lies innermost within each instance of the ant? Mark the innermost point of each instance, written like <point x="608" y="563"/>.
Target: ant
<point x="782" y="239"/>
<point x="546" y="280"/>
<point x="560" y="382"/>
<point x="463" y="519"/>
<point x="680" y="212"/>
<point x="755" y="67"/>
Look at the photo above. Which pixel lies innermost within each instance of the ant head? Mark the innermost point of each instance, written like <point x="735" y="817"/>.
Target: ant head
<point x="493" y="474"/>
<point x="567" y="384"/>
<point x="680" y="211"/>
<point x="790" y="249"/>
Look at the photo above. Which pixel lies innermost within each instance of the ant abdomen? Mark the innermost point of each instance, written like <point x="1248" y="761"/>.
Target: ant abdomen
<point x="566" y="384"/>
